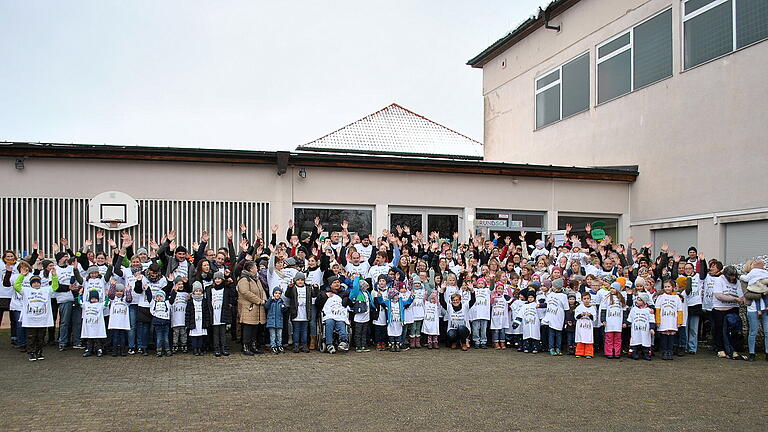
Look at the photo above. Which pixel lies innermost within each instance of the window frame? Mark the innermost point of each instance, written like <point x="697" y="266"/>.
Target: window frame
<point x="694" y="14"/>
<point x="559" y="81"/>
<point x="630" y="46"/>
<point x="328" y="229"/>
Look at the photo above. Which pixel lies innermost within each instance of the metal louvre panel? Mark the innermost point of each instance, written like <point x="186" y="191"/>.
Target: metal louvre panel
<point x="679" y="239"/>
<point x="745" y="240"/>
<point x="48" y="219"/>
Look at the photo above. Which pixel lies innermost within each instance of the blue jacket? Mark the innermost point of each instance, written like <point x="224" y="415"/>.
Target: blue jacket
<point x="275" y="309"/>
<point x="387" y="303"/>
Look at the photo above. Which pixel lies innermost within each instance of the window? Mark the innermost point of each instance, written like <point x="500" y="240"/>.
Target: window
<point x="578" y="224"/>
<point x="712" y="28"/>
<point x="563" y="92"/>
<point x="412" y="221"/>
<point x="360" y="220"/>
<point x="634" y="59"/>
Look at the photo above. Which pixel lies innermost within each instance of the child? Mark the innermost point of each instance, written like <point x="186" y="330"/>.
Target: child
<point x="406" y="295"/>
<point x="585" y="316"/>
<point x="36" y="314"/>
<point x="119" y="321"/>
<point x="431" y="325"/>
<point x="515" y="330"/>
<point x="641" y="321"/>
<point x="528" y="319"/>
<point x="178" y="300"/>
<point x="218" y="301"/>
<point x="612" y="318"/>
<point x="362" y="303"/>
<point x="275" y="307"/>
<point x="669" y="317"/>
<point x="499" y="316"/>
<point x="570" y="324"/>
<point x="378" y="314"/>
<point x="395" y="312"/>
<point x="160" y="310"/>
<point x="557" y="304"/>
<point x="480" y="314"/>
<point x="93" y="330"/>
<point x="417" y="308"/>
<point x="197" y="318"/>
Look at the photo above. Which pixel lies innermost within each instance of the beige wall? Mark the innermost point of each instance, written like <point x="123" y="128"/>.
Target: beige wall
<point x="376" y="188"/>
<point x="698" y="137"/>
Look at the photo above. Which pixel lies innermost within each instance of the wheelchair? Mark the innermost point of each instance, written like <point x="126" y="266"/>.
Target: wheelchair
<point x="338" y="345"/>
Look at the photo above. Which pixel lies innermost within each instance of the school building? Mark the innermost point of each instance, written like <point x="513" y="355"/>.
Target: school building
<point x="647" y="115"/>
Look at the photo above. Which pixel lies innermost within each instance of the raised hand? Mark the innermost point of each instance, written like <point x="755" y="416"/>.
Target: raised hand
<point x="127" y="240"/>
<point x="275" y="227"/>
<point x="259" y="234"/>
<point x="204" y="237"/>
<point x="399" y="229"/>
<point x="153" y="245"/>
<point x="407" y="230"/>
<point x="290" y="223"/>
<point x="229" y="233"/>
<point x="345" y="225"/>
<point x="64" y="243"/>
<point x="495" y="235"/>
<point x="317" y="221"/>
<point x="55" y="248"/>
<point x="522" y="236"/>
<point x="568" y="228"/>
<point x="34" y="244"/>
<point x="172" y="245"/>
<point x="99" y="235"/>
<point x="647" y="245"/>
<point x="664" y="247"/>
<point x="243" y="228"/>
<point x="243" y="245"/>
<point x="195" y="245"/>
<point x="171" y="236"/>
<point x="111" y="243"/>
<point x="701" y="256"/>
<point x="88" y="243"/>
<point x="455" y="235"/>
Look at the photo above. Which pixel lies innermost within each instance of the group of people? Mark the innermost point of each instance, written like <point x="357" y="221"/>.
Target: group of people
<point x="398" y="291"/>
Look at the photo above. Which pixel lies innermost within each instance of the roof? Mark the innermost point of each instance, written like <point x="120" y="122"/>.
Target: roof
<point x="395" y="130"/>
<point x="539" y="18"/>
<point x="319" y="159"/>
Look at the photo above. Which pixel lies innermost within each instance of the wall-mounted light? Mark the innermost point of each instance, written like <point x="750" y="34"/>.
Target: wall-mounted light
<point x="302" y="173"/>
<point x="19" y="164"/>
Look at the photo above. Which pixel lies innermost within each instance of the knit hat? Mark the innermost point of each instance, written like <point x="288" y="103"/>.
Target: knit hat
<point x="277" y="290"/>
<point x="177" y="279"/>
<point x="299" y="276"/>
<point x="35" y="279"/>
<point x="93" y="294"/>
<point x="160" y="293"/>
<point x="290" y="262"/>
<point x="140" y="251"/>
<point x="622" y="281"/>
<point x="540" y="243"/>
<point x="329" y="280"/>
<point x="181" y="249"/>
<point x="482" y="279"/>
<point x="364" y="285"/>
<point x="392" y="293"/>
<point x="197" y="285"/>
<point x="93" y="269"/>
<point x="416" y="279"/>
<point x="547" y="283"/>
<point x="218" y="275"/>
<point x="616" y="286"/>
<point x="46" y="263"/>
<point x="682" y="282"/>
<point x="119" y="287"/>
<point x="557" y="284"/>
<point x="576" y="244"/>
<point x="59" y="255"/>
<point x="383" y="276"/>
<point x="498" y="284"/>
<point x="572" y="295"/>
<point x="534" y="285"/>
<point x="644" y="296"/>
<point x="154" y="267"/>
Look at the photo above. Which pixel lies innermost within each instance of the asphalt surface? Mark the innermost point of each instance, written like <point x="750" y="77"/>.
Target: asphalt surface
<point x="415" y="390"/>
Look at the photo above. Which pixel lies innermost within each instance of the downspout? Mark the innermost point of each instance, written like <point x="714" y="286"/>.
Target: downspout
<point x="546" y="20"/>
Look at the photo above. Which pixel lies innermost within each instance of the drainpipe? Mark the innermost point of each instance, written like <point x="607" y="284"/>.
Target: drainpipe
<point x="546" y="20"/>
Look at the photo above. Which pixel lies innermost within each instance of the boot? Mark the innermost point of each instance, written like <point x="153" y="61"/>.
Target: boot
<point x="418" y="341"/>
<point x="247" y="350"/>
<point x="304" y="349"/>
<point x="312" y="342"/>
<point x="413" y="342"/>
<point x="124" y="351"/>
<point x="465" y="346"/>
<point x="435" y="343"/>
<point x="114" y="351"/>
<point x="296" y="348"/>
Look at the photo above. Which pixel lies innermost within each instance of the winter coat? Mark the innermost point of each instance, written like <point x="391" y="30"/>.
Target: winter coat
<point x="275" y="310"/>
<point x="291" y="293"/>
<point x="189" y="316"/>
<point x="250" y="300"/>
<point x="226" y="306"/>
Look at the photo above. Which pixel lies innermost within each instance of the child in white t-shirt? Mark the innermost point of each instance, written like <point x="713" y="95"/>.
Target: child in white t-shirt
<point x="178" y="300"/>
<point x="480" y="314"/>
<point x="585" y="318"/>
<point x="642" y="323"/>
<point x="669" y="317"/>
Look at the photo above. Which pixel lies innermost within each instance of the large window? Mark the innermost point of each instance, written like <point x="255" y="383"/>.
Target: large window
<point x="563" y="92"/>
<point x="360" y="220"/>
<point x="636" y="58"/>
<point x="578" y="224"/>
<point x="712" y="28"/>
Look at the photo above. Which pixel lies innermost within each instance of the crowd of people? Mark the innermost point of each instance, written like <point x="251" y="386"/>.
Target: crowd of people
<point x="401" y="290"/>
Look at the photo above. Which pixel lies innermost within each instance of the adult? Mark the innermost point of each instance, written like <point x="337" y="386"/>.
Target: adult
<point x="250" y="308"/>
<point x="727" y="298"/>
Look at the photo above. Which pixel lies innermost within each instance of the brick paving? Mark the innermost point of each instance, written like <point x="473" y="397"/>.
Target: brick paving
<point x="416" y="390"/>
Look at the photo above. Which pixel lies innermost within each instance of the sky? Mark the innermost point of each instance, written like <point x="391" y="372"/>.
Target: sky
<point x="248" y="74"/>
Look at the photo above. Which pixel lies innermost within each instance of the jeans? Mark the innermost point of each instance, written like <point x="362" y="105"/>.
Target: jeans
<point x="754" y="324"/>
<point x="119" y="338"/>
<point x="286" y="329"/>
<point x="405" y="333"/>
<point x="196" y="342"/>
<point x="531" y="344"/>
<point x="219" y="332"/>
<point x="667" y="342"/>
<point x="142" y="336"/>
<point x="161" y="336"/>
<point x="458" y="335"/>
<point x="360" y="331"/>
<point x="544" y="337"/>
<point x="498" y="335"/>
<point x="693" y="333"/>
<point x="77" y="324"/>
<point x="570" y="338"/>
<point x="179" y="336"/>
<point x="379" y="333"/>
<point x="416" y="328"/>
<point x="313" y="322"/>
<point x="65" y="323"/>
<point x="330" y="326"/>
<point x="132" y="333"/>
<point x="479" y="331"/>
<point x="555" y="339"/>
<point x="275" y="337"/>
<point x="21" y="332"/>
<point x="682" y="338"/>
<point x="300" y="332"/>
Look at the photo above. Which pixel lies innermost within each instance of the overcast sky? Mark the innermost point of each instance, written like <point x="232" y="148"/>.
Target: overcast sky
<point x="238" y="74"/>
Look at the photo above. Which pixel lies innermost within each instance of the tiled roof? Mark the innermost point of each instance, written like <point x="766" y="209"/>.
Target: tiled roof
<point x="395" y="130"/>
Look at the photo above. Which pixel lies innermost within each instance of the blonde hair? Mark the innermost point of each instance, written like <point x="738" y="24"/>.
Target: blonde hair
<point x="748" y="265"/>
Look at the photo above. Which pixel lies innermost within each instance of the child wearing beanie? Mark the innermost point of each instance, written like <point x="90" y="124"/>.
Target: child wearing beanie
<point x="570" y="324"/>
<point x="585" y="316"/>
<point x="394" y="308"/>
<point x="361" y="306"/>
<point x="36" y="309"/>
<point x="642" y="323"/>
<point x="160" y="310"/>
<point x="515" y="329"/>
<point x="669" y="317"/>
<point x="612" y="318"/>
<point x="417" y="309"/>
<point x="557" y="304"/>
<point x="431" y="324"/>
<point x="275" y="307"/>
<point x="218" y="301"/>
<point x="93" y="331"/>
<point x="119" y="318"/>
<point x="197" y="318"/>
<point x="178" y="300"/>
<point x="480" y="314"/>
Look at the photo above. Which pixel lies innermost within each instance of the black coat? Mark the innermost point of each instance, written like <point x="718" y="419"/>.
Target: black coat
<point x="189" y="318"/>
<point x="291" y="293"/>
<point x="226" y="306"/>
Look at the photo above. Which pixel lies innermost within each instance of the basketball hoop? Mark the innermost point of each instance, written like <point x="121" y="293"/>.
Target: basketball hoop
<point x="112" y="223"/>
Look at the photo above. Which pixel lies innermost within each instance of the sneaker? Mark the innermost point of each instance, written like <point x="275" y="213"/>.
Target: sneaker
<point x="87" y="353"/>
<point x="78" y="347"/>
<point x="217" y="354"/>
<point x="159" y="354"/>
<point x="483" y="346"/>
<point x="296" y="349"/>
<point x="99" y="353"/>
<point x="358" y="350"/>
<point x="534" y="352"/>
<point x="304" y="349"/>
<point x="225" y="353"/>
<point x="144" y="352"/>
<point x="578" y="356"/>
<point x="131" y="351"/>
<point x="751" y="357"/>
<point x="552" y="352"/>
<point x="365" y="349"/>
<point x="275" y="351"/>
<point x="344" y="346"/>
<point x="32" y="356"/>
<point x="588" y="357"/>
<point x="558" y="352"/>
<point x="280" y="349"/>
<point x="61" y="348"/>
<point x="331" y="349"/>
<point x="525" y="351"/>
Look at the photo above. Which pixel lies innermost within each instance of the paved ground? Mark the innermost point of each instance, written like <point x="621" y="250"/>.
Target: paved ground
<point x="417" y="390"/>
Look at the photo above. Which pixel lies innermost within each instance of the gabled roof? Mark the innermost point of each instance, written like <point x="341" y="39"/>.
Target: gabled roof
<point x="540" y="18"/>
<point x="395" y="130"/>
